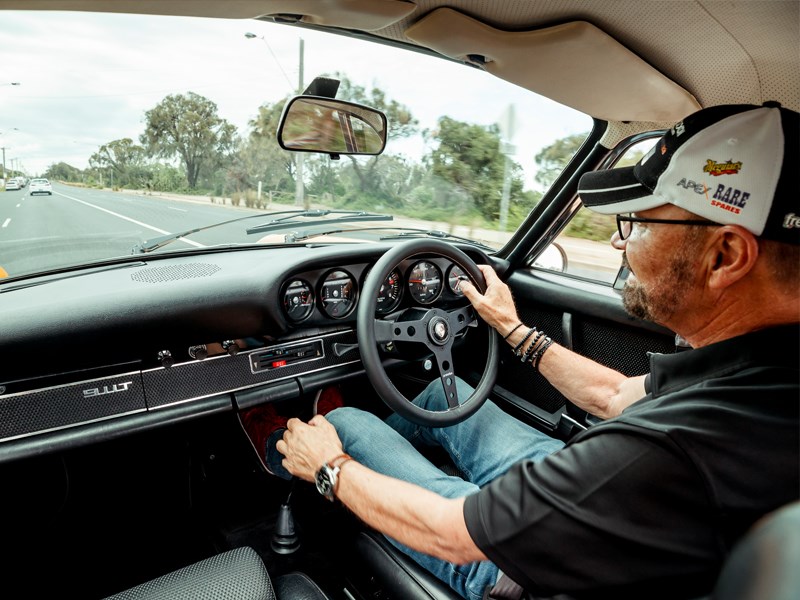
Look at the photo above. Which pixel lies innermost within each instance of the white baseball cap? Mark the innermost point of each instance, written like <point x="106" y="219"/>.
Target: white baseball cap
<point x="731" y="164"/>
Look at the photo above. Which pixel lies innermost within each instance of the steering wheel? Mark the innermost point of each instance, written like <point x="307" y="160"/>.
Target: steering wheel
<point x="435" y="328"/>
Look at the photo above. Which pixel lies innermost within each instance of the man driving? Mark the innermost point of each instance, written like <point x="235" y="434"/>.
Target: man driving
<point x="648" y="502"/>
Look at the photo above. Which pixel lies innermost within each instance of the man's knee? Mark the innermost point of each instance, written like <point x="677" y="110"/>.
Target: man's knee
<point x="433" y="397"/>
<point x="353" y="424"/>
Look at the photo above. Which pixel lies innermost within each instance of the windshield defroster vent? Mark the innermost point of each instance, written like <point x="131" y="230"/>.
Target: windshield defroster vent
<point x="175" y="272"/>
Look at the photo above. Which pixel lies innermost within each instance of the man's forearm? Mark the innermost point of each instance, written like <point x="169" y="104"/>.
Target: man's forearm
<point x="414" y="516"/>
<point x="597" y="389"/>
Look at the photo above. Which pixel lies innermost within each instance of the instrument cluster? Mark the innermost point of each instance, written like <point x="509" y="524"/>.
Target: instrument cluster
<point x="333" y="293"/>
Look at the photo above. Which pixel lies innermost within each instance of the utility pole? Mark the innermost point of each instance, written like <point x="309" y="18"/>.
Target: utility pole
<point x="4" y="162"/>
<point x="299" y="188"/>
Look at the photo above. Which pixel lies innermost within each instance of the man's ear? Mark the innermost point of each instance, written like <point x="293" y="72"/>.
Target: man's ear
<point x="732" y="253"/>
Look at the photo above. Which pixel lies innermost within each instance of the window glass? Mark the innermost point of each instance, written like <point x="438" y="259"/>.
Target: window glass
<point x="582" y="249"/>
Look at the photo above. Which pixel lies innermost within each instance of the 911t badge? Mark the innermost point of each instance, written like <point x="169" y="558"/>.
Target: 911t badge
<point x="107" y="389"/>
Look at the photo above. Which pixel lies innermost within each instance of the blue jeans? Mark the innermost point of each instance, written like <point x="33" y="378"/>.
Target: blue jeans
<point x="483" y="447"/>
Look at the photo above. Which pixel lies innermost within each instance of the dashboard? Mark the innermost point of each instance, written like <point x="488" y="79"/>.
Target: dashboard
<point x="315" y="296"/>
<point x="103" y="351"/>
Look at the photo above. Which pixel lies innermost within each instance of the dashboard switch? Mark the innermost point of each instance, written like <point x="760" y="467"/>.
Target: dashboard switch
<point x="231" y="347"/>
<point x="165" y="358"/>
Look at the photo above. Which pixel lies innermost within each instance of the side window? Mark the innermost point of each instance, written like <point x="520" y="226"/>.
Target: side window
<point x="582" y="249"/>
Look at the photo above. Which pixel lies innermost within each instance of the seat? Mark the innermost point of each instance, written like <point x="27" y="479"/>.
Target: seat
<point x="764" y="564"/>
<point x="395" y="572"/>
<point x="237" y="574"/>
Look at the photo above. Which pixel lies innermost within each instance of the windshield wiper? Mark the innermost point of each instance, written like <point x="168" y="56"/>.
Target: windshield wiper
<point x="161" y="241"/>
<point x="408" y="232"/>
<point x="350" y="216"/>
<point x="405" y="232"/>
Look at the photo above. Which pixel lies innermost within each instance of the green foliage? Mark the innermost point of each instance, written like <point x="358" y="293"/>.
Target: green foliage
<point x="63" y="172"/>
<point x="553" y="158"/>
<point x="187" y="126"/>
<point x="121" y="162"/>
<point x="469" y="157"/>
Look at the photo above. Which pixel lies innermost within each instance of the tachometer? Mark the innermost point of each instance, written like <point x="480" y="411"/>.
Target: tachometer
<point x="454" y="276"/>
<point x="389" y="293"/>
<point x="298" y="300"/>
<point x="425" y="282"/>
<point x="337" y="294"/>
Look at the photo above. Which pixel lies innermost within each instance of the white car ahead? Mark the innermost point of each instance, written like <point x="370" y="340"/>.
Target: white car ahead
<point x="41" y="186"/>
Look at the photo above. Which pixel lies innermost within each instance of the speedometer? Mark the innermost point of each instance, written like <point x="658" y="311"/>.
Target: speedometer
<point x="337" y="294"/>
<point x="389" y="293"/>
<point x="425" y="282"/>
<point x="298" y="300"/>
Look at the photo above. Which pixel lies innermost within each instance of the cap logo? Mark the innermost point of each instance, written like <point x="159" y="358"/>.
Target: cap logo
<point x="722" y="168"/>
<point x="791" y="221"/>
<point x="699" y="188"/>
<point x="730" y="199"/>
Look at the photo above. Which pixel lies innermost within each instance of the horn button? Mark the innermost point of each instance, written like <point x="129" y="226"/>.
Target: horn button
<point x="439" y="330"/>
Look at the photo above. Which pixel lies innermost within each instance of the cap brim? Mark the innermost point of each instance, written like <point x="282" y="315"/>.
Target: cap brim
<point x="616" y="191"/>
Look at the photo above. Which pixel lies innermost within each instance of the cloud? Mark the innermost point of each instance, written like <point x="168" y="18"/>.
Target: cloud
<point x="88" y="79"/>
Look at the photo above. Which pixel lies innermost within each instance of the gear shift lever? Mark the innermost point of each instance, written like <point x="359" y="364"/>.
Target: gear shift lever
<point x="285" y="539"/>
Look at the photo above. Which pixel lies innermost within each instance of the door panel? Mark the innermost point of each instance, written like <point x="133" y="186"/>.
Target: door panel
<point x="585" y="317"/>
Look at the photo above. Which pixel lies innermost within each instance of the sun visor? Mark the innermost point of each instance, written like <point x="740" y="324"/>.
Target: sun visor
<point x="575" y="64"/>
<point x="366" y="15"/>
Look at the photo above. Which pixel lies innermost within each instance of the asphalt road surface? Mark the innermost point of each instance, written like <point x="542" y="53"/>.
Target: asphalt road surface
<point x="80" y="225"/>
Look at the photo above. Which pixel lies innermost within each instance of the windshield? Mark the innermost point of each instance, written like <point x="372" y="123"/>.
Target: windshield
<point x="149" y="128"/>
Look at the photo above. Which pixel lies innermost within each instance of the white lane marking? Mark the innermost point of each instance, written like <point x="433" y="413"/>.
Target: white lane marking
<point x="145" y="225"/>
<point x="18" y="205"/>
<point x="7" y="221"/>
<point x="178" y="209"/>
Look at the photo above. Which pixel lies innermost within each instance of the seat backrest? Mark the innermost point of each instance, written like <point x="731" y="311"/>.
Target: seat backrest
<point x="765" y="564"/>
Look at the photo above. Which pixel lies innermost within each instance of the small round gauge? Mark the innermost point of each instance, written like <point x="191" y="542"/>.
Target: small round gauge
<point x="389" y="293"/>
<point x="454" y="276"/>
<point x="298" y="300"/>
<point x="425" y="282"/>
<point x="337" y="294"/>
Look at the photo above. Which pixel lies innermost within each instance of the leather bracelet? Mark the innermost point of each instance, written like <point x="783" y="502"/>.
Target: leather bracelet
<point x="540" y="352"/>
<point x="508" y="335"/>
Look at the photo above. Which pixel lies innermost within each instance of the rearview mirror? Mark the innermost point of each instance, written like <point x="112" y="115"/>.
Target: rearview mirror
<point x="316" y="124"/>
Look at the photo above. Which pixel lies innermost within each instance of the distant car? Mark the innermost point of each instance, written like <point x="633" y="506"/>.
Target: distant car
<point x="41" y="186"/>
<point x="12" y="184"/>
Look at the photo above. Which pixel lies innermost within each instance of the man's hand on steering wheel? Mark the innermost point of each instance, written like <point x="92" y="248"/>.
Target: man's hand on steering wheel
<point x="496" y="306"/>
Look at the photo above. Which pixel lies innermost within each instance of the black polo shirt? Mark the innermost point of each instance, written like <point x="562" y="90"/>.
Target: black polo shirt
<point x="647" y="505"/>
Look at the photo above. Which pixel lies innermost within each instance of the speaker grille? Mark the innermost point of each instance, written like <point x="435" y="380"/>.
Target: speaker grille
<point x="175" y="272"/>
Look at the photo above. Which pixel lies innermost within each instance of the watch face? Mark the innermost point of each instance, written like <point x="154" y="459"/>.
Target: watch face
<point x="324" y="483"/>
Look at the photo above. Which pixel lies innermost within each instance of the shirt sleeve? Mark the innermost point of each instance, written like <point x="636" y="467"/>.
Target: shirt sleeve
<point x="600" y="513"/>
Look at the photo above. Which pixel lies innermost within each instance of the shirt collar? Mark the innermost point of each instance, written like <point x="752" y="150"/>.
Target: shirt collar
<point x="775" y="346"/>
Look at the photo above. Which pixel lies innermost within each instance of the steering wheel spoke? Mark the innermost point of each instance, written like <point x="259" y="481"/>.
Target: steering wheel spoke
<point x="461" y="318"/>
<point x="444" y="360"/>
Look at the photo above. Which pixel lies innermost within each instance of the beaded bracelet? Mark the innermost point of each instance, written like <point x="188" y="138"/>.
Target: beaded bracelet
<point x="526" y="356"/>
<point x="508" y="335"/>
<point x="517" y="348"/>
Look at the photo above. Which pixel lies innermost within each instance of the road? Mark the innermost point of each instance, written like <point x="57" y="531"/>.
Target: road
<point x="78" y="225"/>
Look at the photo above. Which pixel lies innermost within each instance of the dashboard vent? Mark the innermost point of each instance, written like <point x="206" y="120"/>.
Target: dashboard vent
<point x="175" y="272"/>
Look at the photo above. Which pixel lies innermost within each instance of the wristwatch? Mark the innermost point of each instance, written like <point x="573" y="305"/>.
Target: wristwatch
<point x="327" y="477"/>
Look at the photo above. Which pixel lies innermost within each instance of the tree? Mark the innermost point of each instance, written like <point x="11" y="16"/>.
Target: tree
<point x="553" y="158"/>
<point x="63" y="172"/>
<point x="470" y="160"/>
<point x="122" y="159"/>
<point x="188" y="126"/>
<point x="402" y="124"/>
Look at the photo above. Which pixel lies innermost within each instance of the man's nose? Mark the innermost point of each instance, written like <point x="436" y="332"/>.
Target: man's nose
<point x="618" y="243"/>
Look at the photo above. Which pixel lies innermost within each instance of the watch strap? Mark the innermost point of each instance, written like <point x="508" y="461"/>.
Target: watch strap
<point x="339" y="461"/>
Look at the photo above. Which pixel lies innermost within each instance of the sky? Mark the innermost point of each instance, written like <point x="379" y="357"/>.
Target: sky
<point x="86" y="79"/>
